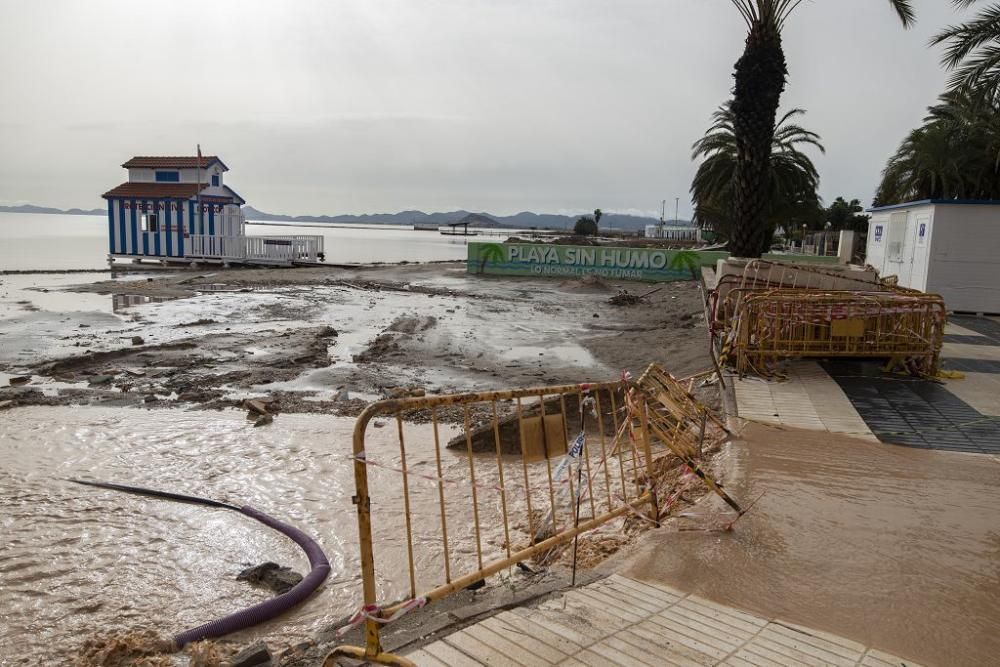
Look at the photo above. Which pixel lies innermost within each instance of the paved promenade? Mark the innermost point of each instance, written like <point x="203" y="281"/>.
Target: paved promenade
<point x="620" y="621"/>
<point x="857" y="399"/>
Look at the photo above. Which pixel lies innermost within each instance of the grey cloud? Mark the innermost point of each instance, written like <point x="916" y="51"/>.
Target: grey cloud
<point x="502" y="105"/>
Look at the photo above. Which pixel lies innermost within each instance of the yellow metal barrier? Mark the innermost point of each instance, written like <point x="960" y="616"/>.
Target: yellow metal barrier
<point x="761" y="276"/>
<point x="905" y="327"/>
<point x="534" y="469"/>
<point x="774" y="311"/>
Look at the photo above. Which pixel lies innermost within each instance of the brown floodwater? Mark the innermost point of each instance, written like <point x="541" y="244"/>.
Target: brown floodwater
<point x="895" y="547"/>
<point x="78" y="562"/>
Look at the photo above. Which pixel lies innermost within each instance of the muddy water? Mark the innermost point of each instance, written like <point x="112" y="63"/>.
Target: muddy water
<point x="894" y="547"/>
<point x="76" y="560"/>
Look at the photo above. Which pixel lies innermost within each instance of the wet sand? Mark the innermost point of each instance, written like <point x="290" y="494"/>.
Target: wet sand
<point x="329" y="340"/>
<point x="895" y="547"/>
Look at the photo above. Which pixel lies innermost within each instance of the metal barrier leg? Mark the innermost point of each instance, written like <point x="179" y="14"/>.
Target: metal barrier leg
<point x="372" y="650"/>
<point x="359" y="653"/>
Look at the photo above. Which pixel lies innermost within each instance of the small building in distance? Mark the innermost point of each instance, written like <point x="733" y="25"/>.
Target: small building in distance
<point x="949" y="247"/>
<point x="178" y="209"/>
<point x="670" y="230"/>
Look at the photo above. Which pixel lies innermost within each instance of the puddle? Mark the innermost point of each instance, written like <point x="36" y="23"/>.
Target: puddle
<point x="218" y="287"/>
<point x="123" y="302"/>
<point x="567" y="354"/>
<point x="48" y="386"/>
<point x="44" y="292"/>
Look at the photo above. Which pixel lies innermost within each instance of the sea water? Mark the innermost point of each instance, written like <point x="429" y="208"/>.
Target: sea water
<point x="37" y="241"/>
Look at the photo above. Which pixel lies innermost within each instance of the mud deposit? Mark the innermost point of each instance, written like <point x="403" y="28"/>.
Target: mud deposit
<point x="330" y="341"/>
<point x="891" y="546"/>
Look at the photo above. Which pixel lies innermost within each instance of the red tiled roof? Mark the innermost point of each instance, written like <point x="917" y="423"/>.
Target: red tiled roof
<point x="154" y="191"/>
<point x="176" y="162"/>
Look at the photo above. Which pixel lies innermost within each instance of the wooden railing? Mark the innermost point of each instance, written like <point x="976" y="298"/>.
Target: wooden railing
<point x="280" y="249"/>
<point x="284" y="248"/>
<point x="222" y="247"/>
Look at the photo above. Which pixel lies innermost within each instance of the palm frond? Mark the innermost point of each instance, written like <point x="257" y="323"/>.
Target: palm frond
<point x="792" y="178"/>
<point x="904" y="9"/>
<point x="955" y="153"/>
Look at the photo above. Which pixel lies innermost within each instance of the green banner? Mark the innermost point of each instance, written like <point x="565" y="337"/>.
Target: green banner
<point x="560" y="261"/>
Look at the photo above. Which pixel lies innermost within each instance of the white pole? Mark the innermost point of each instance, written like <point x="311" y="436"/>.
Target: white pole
<point x="197" y="194"/>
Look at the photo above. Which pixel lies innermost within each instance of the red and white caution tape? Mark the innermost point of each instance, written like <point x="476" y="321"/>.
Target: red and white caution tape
<point x="373" y="612"/>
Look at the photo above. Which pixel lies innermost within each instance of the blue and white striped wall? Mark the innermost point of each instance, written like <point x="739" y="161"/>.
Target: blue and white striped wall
<point x="177" y="220"/>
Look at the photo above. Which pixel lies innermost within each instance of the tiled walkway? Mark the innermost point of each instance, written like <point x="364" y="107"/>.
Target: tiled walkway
<point x="973" y="347"/>
<point x="856" y="398"/>
<point x="907" y="411"/>
<point x="808" y="399"/>
<point x="620" y="621"/>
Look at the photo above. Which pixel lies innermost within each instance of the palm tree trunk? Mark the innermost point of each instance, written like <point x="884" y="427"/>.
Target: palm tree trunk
<point x="760" y="80"/>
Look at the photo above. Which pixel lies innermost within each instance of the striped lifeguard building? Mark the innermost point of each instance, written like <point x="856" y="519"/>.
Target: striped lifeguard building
<point x="178" y="209"/>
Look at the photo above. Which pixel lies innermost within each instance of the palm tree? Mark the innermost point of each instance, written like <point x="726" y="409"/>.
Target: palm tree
<point x="760" y="80"/>
<point x="954" y="154"/>
<point x="972" y="50"/>
<point x="490" y="253"/>
<point x="687" y="260"/>
<point x="790" y="182"/>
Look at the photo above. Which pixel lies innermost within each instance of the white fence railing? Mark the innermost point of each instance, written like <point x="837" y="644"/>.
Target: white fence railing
<point x="673" y="233"/>
<point x="284" y="249"/>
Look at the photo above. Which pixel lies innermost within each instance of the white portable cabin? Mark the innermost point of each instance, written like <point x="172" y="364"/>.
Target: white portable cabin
<point x="949" y="247"/>
<point x="673" y="233"/>
<point x="177" y="209"/>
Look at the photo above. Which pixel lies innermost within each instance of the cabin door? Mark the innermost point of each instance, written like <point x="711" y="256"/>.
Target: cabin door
<point x="898" y="248"/>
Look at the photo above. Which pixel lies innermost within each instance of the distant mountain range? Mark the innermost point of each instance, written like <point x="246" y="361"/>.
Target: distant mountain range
<point x="523" y="220"/>
<point x="29" y="208"/>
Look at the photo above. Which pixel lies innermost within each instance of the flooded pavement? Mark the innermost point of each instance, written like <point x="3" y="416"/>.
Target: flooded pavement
<point x="894" y="547"/>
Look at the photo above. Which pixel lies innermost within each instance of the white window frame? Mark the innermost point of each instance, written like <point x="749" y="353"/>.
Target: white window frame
<point x="151" y="222"/>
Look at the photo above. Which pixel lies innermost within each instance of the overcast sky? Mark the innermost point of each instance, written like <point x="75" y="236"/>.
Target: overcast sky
<point x="354" y="106"/>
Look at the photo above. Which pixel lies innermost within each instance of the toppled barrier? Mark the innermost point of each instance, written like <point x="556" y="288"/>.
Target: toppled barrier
<point x="768" y="314"/>
<point x="583" y="456"/>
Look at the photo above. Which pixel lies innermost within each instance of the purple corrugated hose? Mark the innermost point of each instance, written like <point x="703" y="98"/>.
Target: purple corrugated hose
<point x="265" y="611"/>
